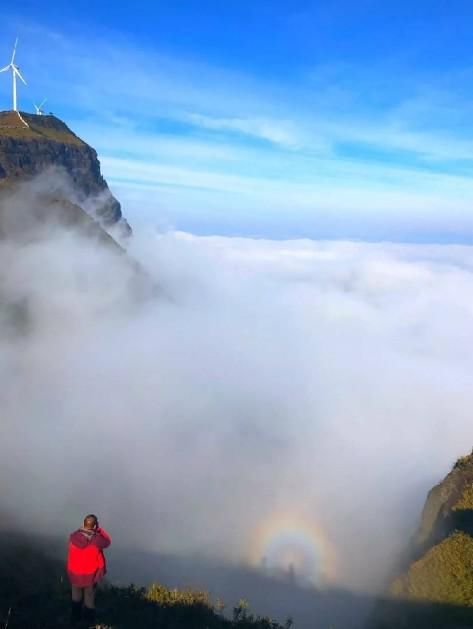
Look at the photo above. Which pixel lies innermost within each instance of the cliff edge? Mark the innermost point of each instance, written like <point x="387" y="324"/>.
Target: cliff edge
<point x="32" y="144"/>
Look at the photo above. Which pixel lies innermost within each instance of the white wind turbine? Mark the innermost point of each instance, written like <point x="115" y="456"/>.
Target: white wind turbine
<point x="39" y="108"/>
<point x="15" y="70"/>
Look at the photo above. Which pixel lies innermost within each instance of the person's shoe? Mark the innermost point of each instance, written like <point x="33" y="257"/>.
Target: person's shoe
<point x="76" y="612"/>
<point x="88" y="615"/>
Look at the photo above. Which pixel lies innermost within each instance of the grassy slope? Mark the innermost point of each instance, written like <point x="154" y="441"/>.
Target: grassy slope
<point x="35" y="595"/>
<point x="436" y="589"/>
<point x="444" y="574"/>
<point x="443" y="566"/>
<point x="33" y="587"/>
<point x="40" y="128"/>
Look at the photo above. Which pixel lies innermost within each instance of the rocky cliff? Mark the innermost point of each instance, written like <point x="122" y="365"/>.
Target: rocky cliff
<point x="434" y="587"/>
<point x="31" y="145"/>
<point x="441" y="569"/>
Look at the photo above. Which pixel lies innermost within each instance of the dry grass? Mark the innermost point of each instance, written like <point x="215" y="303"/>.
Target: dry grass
<point x="40" y="128"/>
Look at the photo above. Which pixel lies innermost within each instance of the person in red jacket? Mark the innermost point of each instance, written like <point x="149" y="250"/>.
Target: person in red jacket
<point x="86" y="566"/>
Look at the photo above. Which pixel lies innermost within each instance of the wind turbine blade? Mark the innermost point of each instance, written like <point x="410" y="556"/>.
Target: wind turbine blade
<point x="14" y="51"/>
<point x="5" y="68"/>
<point x="42" y="102"/>
<point x="15" y="69"/>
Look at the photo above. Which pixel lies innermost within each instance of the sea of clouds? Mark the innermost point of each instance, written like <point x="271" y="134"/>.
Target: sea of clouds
<point x="327" y="380"/>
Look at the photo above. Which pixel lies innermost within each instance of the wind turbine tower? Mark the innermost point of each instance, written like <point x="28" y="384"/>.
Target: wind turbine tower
<point x="15" y="70"/>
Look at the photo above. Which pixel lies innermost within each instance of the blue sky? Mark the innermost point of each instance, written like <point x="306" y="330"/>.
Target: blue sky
<point x="275" y="119"/>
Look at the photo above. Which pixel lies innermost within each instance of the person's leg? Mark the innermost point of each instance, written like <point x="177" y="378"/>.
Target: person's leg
<point x="89" y="605"/>
<point x="89" y="597"/>
<point x="76" y="604"/>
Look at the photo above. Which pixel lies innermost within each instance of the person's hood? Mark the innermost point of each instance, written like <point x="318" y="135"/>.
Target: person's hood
<point x="82" y="537"/>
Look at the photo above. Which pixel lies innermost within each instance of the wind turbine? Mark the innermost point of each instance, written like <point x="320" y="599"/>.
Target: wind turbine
<point x="15" y="70"/>
<point x="39" y="108"/>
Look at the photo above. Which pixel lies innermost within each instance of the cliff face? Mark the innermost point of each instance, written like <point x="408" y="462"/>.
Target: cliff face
<point x="441" y="569"/>
<point x="51" y="185"/>
<point x="31" y="144"/>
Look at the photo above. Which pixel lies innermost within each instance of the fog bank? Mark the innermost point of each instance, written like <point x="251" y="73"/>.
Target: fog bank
<point x="280" y="404"/>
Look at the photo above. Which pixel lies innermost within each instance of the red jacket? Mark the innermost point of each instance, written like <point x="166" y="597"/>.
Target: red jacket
<point x="85" y="559"/>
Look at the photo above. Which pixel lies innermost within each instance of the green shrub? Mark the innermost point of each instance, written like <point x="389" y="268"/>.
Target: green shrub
<point x="162" y="595"/>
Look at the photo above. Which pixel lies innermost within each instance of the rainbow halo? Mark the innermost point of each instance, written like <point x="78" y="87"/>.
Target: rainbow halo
<point x="294" y="547"/>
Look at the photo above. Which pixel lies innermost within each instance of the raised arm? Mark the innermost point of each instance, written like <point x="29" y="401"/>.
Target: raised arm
<point x="102" y="539"/>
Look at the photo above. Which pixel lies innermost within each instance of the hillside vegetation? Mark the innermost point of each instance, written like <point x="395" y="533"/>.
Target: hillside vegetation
<point x="34" y="594"/>
<point x="435" y="589"/>
<point x="39" y="128"/>
<point x="444" y="574"/>
<point x="442" y="552"/>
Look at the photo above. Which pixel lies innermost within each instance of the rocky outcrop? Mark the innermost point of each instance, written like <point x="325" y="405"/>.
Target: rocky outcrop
<point x="441" y="566"/>
<point x="31" y="144"/>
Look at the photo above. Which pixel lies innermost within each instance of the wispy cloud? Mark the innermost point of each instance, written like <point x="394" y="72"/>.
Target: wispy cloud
<point x="281" y="132"/>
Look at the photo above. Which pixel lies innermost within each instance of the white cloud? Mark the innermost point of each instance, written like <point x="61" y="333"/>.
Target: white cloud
<point x="329" y="381"/>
